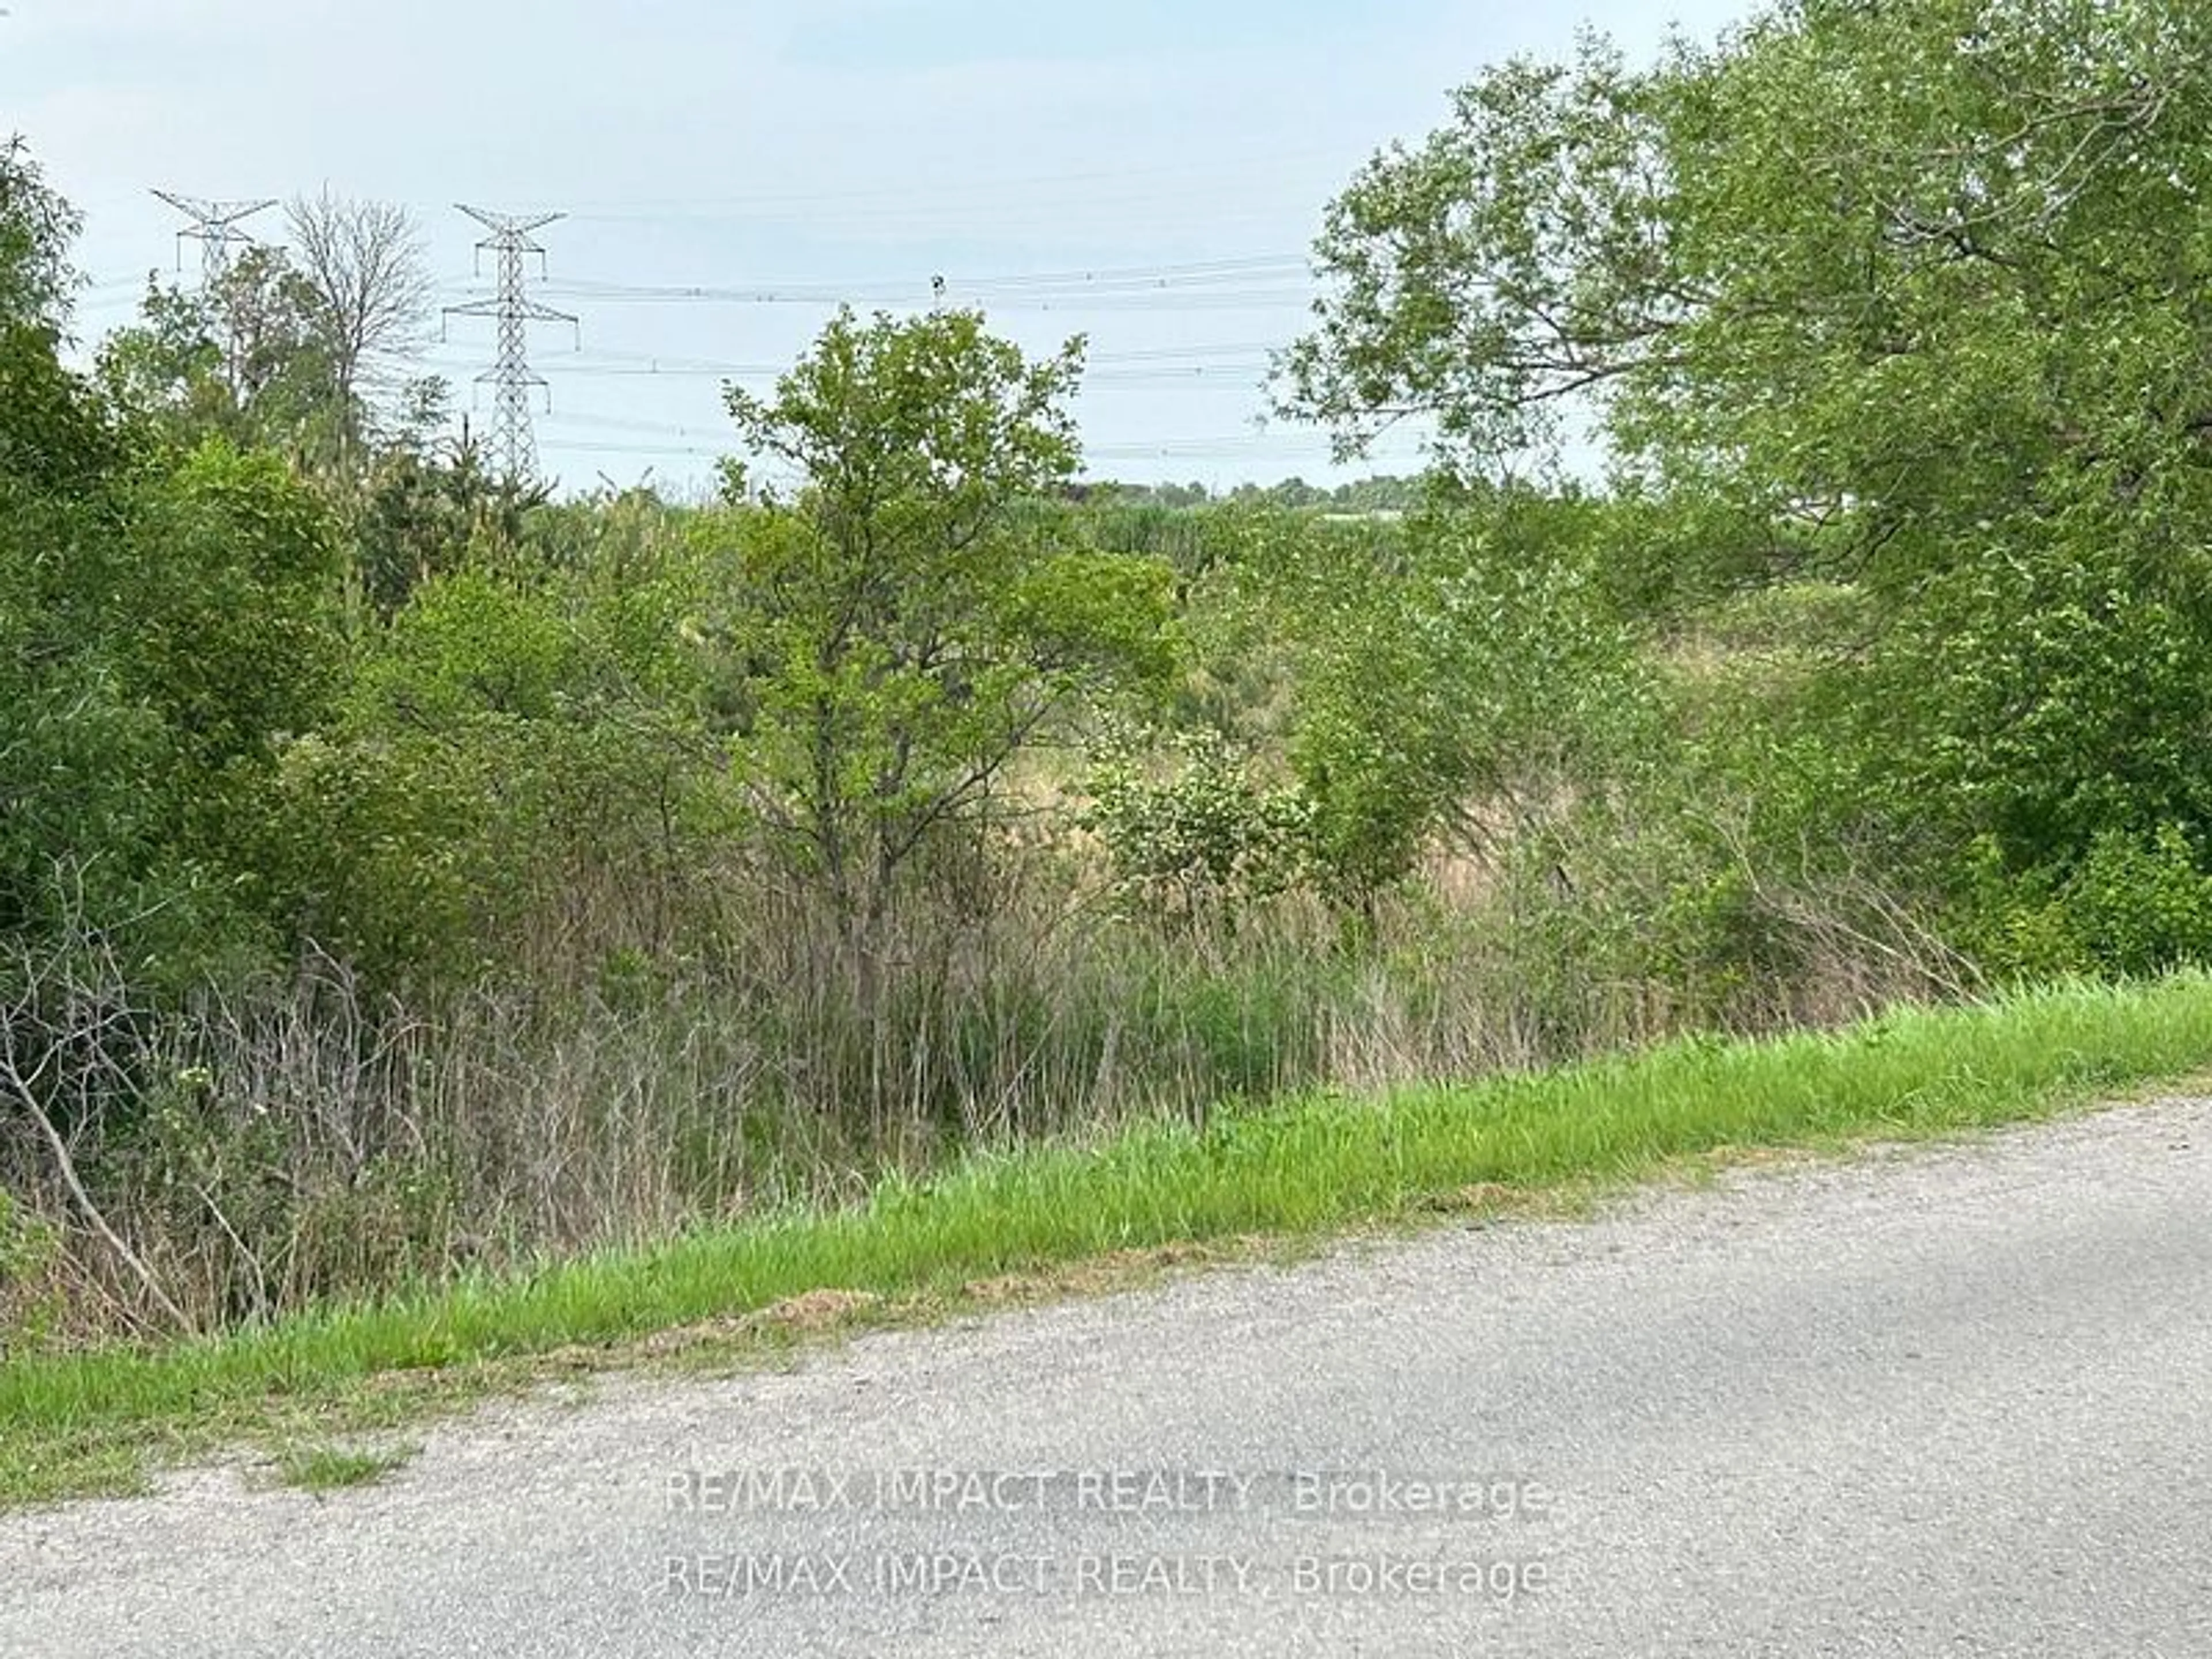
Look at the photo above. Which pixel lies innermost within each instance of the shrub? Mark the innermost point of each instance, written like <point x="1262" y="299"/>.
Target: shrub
<point x="2132" y="904"/>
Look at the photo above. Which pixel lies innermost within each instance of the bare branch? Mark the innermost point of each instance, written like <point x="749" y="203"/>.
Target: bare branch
<point x="365" y="263"/>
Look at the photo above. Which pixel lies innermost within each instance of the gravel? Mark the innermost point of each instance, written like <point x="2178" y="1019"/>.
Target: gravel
<point x="1948" y="1400"/>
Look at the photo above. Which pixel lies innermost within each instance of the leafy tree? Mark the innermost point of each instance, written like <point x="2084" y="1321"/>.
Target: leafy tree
<point x="231" y="604"/>
<point x="56" y="440"/>
<point x="1468" y="277"/>
<point x="1378" y="495"/>
<point x="162" y="630"/>
<point x="246" y="361"/>
<point x="300" y="351"/>
<point x="897" y="630"/>
<point x="1433" y="672"/>
<point x="1915" y="293"/>
<point x="516" y="781"/>
<point x="81" y="760"/>
<point x="427" y="507"/>
<point x="1896" y="265"/>
<point x="36" y="228"/>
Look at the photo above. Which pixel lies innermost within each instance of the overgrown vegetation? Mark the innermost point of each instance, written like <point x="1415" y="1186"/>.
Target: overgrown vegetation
<point x="1021" y="1222"/>
<point x="406" y="876"/>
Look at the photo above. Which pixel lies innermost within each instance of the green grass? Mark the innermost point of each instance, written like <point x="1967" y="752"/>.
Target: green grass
<point x="91" y="1421"/>
<point x="320" y="1468"/>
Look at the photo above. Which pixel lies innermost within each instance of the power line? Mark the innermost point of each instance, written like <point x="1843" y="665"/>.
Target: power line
<point x="1244" y="266"/>
<point x="1262" y="281"/>
<point x="1257" y="278"/>
<point x="514" y="447"/>
<point x="1196" y="369"/>
<point x="1104" y="217"/>
<point x="1240" y="282"/>
<point x="215" y="227"/>
<point x="1212" y="186"/>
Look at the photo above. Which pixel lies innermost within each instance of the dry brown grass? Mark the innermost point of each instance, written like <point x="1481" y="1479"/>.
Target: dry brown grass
<point x="279" y="1145"/>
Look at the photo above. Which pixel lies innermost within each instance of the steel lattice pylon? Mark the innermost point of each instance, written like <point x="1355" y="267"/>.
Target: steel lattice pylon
<point x="215" y="228"/>
<point x="513" y="443"/>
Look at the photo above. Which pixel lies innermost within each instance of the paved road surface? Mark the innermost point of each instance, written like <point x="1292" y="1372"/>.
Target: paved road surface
<point x="1939" y="1403"/>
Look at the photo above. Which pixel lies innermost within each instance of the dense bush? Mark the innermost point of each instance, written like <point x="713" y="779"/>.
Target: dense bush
<point x="403" y="871"/>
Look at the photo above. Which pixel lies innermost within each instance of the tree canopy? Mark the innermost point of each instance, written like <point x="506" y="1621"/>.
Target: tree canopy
<point x="902" y="623"/>
<point x="1917" y="294"/>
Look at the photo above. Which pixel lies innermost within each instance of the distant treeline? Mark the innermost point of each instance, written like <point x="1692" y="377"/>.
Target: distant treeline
<point x="1380" y="494"/>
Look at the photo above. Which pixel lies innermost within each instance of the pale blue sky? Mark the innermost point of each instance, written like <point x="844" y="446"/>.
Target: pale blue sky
<point x="1150" y="174"/>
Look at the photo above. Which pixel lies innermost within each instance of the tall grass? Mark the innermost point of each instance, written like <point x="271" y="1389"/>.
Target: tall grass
<point x="1306" y="1166"/>
<point x="285" y="1143"/>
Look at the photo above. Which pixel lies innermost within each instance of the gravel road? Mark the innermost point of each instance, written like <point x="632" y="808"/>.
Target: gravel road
<point x="1947" y="1402"/>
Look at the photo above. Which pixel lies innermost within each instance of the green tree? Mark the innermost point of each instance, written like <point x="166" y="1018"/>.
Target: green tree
<point x="36" y="228"/>
<point x="246" y="361"/>
<point x="1912" y="295"/>
<point x="163" y="630"/>
<point x="517" y="780"/>
<point x="898" y="628"/>
<point x="425" y="506"/>
<point x="1896" y="265"/>
<point x="167" y="623"/>
<point x="302" y="351"/>
<point x="80" y="759"/>
<point x="1430" y="674"/>
<point x="231" y="604"/>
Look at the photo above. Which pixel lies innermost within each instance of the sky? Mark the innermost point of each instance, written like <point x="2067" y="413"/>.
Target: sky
<point x="1148" y="174"/>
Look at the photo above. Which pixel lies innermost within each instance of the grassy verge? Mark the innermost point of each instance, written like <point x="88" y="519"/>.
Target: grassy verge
<point x="86" y="1422"/>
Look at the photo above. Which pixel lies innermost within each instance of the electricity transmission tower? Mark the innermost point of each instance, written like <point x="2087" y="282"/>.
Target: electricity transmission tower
<point x="515" y="444"/>
<point x="215" y="228"/>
